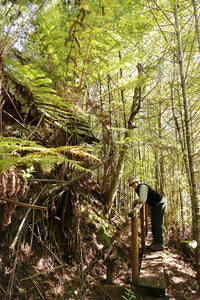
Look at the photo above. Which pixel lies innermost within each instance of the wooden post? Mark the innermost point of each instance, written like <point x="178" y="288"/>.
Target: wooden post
<point x="142" y="227"/>
<point x="134" y="244"/>
<point x="146" y="217"/>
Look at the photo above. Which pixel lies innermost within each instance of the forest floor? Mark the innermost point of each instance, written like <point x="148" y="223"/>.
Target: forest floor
<point x="180" y="276"/>
<point x="66" y="283"/>
<point x="44" y="273"/>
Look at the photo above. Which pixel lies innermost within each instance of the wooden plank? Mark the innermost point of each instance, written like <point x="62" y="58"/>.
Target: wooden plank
<point x="152" y="272"/>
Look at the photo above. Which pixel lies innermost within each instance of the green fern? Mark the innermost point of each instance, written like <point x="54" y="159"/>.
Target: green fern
<point x="19" y="152"/>
<point x="129" y="295"/>
<point x="60" y="112"/>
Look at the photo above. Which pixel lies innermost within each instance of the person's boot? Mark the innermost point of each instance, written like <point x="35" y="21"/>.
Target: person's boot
<point x="154" y="242"/>
<point x="157" y="244"/>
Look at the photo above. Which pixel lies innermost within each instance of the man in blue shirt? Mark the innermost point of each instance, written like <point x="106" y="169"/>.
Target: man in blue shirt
<point x="157" y="203"/>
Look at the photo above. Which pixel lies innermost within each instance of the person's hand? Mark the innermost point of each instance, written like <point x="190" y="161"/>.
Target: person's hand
<point x="134" y="203"/>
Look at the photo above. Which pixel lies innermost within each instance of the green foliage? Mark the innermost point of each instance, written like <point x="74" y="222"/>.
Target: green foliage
<point x="129" y="295"/>
<point x="103" y="236"/>
<point x="23" y="153"/>
<point x="71" y="51"/>
<point x="56" y="110"/>
<point x="15" y="19"/>
<point x="92" y="225"/>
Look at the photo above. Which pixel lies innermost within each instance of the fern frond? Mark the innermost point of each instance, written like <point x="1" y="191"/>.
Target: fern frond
<point x="19" y="152"/>
<point x="60" y="112"/>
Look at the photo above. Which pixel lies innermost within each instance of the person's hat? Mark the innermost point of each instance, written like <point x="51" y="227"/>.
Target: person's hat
<point x="132" y="180"/>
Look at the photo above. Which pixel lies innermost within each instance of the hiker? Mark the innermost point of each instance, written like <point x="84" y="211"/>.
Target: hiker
<point x="157" y="204"/>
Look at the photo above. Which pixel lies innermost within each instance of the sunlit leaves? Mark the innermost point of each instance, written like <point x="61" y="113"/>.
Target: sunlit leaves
<point x="18" y="152"/>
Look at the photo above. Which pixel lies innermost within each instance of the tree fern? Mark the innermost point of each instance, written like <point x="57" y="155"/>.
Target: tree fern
<point x="45" y="100"/>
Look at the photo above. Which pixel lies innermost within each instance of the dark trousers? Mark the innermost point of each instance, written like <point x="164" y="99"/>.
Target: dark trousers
<point x="157" y="216"/>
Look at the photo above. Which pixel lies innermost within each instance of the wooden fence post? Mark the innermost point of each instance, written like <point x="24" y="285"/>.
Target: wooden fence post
<point x="146" y="217"/>
<point x="134" y="238"/>
<point x="142" y="226"/>
<point x="134" y="244"/>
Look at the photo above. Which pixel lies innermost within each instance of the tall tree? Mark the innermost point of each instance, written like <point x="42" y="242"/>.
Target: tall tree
<point x="136" y="104"/>
<point x="193" y="187"/>
<point x="196" y="17"/>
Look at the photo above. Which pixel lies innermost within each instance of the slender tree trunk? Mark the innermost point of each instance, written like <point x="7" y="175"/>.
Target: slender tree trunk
<point x="161" y="157"/>
<point x="1" y="92"/>
<point x="181" y="137"/>
<point x="196" y="22"/>
<point x="194" y="199"/>
<point x="182" y="209"/>
<point x="109" y="166"/>
<point x="110" y="194"/>
<point x="155" y="151"/>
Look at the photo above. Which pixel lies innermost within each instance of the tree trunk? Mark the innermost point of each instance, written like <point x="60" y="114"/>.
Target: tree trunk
<point x="1" y="92"/>
<point x="196" y="23"/>
<point x="181" y="137"/>
<point x="109" y="166"/>
<point x="182" y="209"/>
<point x="110" y="194"/>
<point x="193" y="188"/>
<point x="161" y="157"/>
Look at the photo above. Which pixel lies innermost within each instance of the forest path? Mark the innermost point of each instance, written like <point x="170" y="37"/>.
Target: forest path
<point x="151" y="277"/>
<point x="180" y="279"/>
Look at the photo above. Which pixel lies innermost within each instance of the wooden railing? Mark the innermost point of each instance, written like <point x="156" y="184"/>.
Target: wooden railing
<point x="138" y="212"/>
